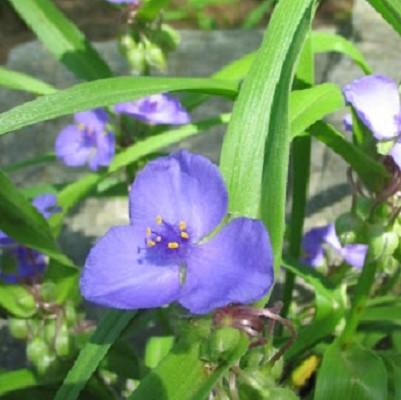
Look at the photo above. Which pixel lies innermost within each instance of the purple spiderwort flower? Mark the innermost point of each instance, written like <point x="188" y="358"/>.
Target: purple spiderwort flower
<point x="87" y="141"/>
<point x="27" y="263"/>
<point x="156" y="109"/>
<point x="376" y="100"/>
<point x="313" y="247"/>
<point x="163" y="256"/>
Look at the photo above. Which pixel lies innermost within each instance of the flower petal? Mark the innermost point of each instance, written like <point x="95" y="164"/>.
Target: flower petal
<point x="95" y="119"/>
<point x="156" y="109"/>
<point x="46" y="204"/>
<point x="355" y="254"/>
<point x="376" y="100"/>
<point x="235" y="266"/>
<point x="182" y="187"/>
<point x="69" y="148"/>
<point x="313" y="241"/>
<point x="116" y="274"/>
<point x="104" y="152"/>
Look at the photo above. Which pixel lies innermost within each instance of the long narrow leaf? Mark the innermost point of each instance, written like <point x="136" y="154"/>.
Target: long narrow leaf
<point x="107" y="332"/>
<point x="390" y="11"/>
<point x="19" y="81"/>
<point x="24" y="223"/>
<point x="104" y="92"/>
<point x="62" y="38"/>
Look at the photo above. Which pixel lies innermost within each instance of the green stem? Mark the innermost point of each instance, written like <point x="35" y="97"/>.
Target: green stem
<point x="361" y="296"/>
<point x="300" y="167"/>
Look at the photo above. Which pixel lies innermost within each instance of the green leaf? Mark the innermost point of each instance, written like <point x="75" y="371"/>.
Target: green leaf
<point x="384" y="313"/>
<point x="62" y="38"/>
<point x="353" y="373"/>
<point x="258" y="137"/>
<point x="105" y="92"/>
<point x="156" y="349"/>
<point x="19" y="379"/>
<point x="19" y="81"/>
<point x="329" y="307"/>
<point x="256" y="15"/>
<point x="390" y="10"/>
<point x="183" y="376"/>
<point x="107" y="332"/>
<point x="17" y="301"/>
<point x="150" y="9"/>
<point x="78" y="190"/>
<point x="24" y="223"/>
<point x="372" y="173"/>
<point x="393" y="364"/>
<point x="310" y="105"/>
<point x="324" y="42"/>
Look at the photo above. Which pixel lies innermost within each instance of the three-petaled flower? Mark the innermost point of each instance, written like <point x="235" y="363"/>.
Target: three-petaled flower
<point x="87" y="141"/>
<point x="167" y="253"/>
<point x="156" y="109"/>
<point x="376" y="101"/>
<point x="17" y="262"/>
<point x="314" y="242"/>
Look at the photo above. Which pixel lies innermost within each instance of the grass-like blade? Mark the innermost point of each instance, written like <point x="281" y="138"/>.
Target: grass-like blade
<point x="24" y="223"/>
<point x="390" y="11"/>
<point x="62" y="38"/>
<point x="372" y="173"/>
<point x="352" y="373"/>
<point x="258" y="134"/>
<point x="182" y="375"/>
<point x="19" y="81"/>
<point x="107" y="332"/>
<point x="324" y="42"/>
<point x="105" y="92"/>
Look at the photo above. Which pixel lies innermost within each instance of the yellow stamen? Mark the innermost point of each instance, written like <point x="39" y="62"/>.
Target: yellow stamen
<point x="159" y="220"/>
<point x="182" y="225"/>
<point x="151" y="243"/>
<point x="173" y="245"/>
<point x="81" y="127"/>
<point x="184" y="235"/>
<point x="148" y="231"/>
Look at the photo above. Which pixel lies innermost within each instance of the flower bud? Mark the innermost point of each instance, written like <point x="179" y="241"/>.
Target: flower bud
<point x="382" y="244"/>
<point x="154" y="56"/>
<point x="36" y="350"/>
<point x="348" y="228"/>
<point x="50" y="331"/>
<point x="18" y="328"/>
<point x="167" y="38"/>
<point x="134" y="52"/>
<point x="27" y="302"/>
<point x="221" y="344"/>
<point x="62" y="342"/>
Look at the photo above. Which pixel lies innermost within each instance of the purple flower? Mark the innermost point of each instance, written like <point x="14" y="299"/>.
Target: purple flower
<point x="167" y="254"/>
<point x="87" y="141"/>
<point x="347" y="122"/>
<point x="314" y="252"/>
<point x="376" y="101"/>
<point x="46" y="204"/>
<point x="18" y="263"/>
<point x="156" y="109"/>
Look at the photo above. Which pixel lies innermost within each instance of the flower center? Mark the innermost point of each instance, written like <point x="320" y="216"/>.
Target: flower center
<point x="166" y="239"/>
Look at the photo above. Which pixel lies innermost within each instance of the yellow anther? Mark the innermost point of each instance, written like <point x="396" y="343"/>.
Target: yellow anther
<point x="148" y="231"/>
<point x="159" y="220"/>
<point x="182" y="225"/>
<point x="151" y="243"/>
<point x="158" y="239"/>
<point x="173" y="245"/>
<point x="81" y="127"/>
<point x="184" y="235"/>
